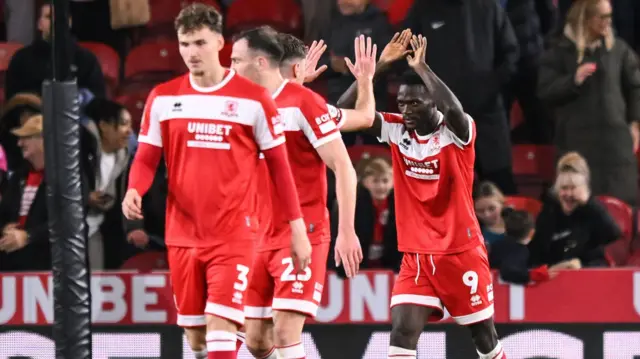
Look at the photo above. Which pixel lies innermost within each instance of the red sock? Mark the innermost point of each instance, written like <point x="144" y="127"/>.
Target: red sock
<point x="221" y="345"/>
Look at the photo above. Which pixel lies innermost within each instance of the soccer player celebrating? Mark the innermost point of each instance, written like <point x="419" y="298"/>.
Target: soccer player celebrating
<point x="279" y="300"/>
<point x="211" y="124"/>
<point x="445" y="261"/>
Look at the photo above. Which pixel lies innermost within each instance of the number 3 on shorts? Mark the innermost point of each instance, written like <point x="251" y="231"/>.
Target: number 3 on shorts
<point x="470" y="279"/>
<point x="288" y="276"/>
<point x="243" y="280"/>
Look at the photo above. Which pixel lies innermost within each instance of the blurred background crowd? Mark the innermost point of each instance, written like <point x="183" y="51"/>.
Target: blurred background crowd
<point x="554" y="88"/>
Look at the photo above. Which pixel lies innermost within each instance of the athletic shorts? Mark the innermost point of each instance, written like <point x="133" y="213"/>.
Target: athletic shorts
<point x="274" y="285"/>
<point x="208" y="281"/>
<point x="461" y="282"/>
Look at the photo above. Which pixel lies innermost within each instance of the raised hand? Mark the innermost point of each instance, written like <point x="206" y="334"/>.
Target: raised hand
<point x="397" y="48"/>
<point x="316" y="50"/>
<point x="365" y="63"/>
<point x="419" y="47"/>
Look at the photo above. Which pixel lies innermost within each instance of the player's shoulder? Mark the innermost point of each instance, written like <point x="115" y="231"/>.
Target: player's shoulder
<point x="295" y="94"/>
<point x="173" y="87"/>
<point x="391" y="117"/>
<point x="242" y="87"/>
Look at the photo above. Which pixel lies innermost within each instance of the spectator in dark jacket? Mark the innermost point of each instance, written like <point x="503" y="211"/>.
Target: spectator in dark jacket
<point x="24" y="245"/>
<point x="351" y="19"/>
<point x="573" y="227"/>
<point x="14" y="113"/>
<point x="591" y="79"/>
<point x="511" y="256"/>
<point x="31" y="65"/>
<point x="473" y="49"/>
<point x="531" y="20"/>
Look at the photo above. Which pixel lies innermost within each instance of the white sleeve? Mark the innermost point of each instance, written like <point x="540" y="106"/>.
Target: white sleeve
<point x="269" y="129"/>
<point x="385" y="132"/>
<point x="150" y="131"/>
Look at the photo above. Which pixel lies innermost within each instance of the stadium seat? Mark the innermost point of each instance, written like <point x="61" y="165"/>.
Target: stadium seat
<point x="146" y="262"/>
<point x="534" y="160"/>
<point x="134" y="102"/>
<point x="154" y="62"/>
<point x="283" y="15"/>
<point x="618" y="252"/>
<point x="530" y="205"/>
<point x="360" y="152"/>
<point x="516" y="117"/>
<point x="396" y="9"/>
<point x="7" y="49"/>
<point x="225" y="54"/>
<point x="109" y="61"/>
<point x="163" y="12"/>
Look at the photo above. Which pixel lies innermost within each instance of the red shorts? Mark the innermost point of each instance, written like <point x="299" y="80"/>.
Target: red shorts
<point x="275" y="286"/>
<point x="461" y="282"/>
<point x="208" y="280"/>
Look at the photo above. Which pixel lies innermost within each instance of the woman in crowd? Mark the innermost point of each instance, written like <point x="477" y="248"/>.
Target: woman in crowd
<point x="573" y="226"/>
<point x="489" y="203"/>
<point x="106" y="158"/>
<point x="591" y="79"/>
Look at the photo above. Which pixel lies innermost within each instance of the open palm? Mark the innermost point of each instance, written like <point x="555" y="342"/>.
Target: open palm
<point x="316" y="50"/>
<point x="419" y="46"/>
<point x="365" y="62"/>
<point x="396" y="49"/>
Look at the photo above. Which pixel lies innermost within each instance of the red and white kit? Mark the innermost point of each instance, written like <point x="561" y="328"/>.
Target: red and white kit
<point x="445" y="262"/>
<point x="309" y="123"/>
<point x="211" y="139"/>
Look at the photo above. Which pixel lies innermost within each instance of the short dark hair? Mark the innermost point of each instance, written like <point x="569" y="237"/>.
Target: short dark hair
<point x="263" y="39"/>
<point x="195" y="16"/>
<point x="294" y="48"/>
<point x="103" y="110"/>
<point x="517" y="224"/>
<point x="411" y="78"/>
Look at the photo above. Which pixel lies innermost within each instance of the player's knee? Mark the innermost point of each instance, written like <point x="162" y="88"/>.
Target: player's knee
<point x="404" y="336"/>
<point x="406" y="325"/>
<point x="258" y="346"/>
<point x="288" y="327"/>
<point x="196" y="338"/>
<point x="484" y="335"/>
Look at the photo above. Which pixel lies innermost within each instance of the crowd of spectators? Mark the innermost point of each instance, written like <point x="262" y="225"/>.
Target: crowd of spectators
<point x="570" y="67"/>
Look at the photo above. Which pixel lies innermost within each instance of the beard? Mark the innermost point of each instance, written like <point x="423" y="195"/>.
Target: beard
<point x="197" y="73"/>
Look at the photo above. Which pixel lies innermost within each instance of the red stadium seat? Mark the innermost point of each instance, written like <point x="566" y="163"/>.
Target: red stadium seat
<point x="7" y="49"/>
<point x="530" y="205"/>
<point x="134" y="102"/>
<point x="618" y="252"/>
<point x="153" y="60"/>
<point x="360" y="152"/>
<point x="396" y="9"/>
<point x="163" y="12"/>
<point x="146" y="262"/>
<point x="534" y="160"/>
<point x="225" y="54"/>
<point x="516" y="117"/>
<point x="108" y="58"/>
<point x="283" y="15"/>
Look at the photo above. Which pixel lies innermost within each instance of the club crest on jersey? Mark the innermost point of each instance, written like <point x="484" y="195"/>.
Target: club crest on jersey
<point x="230" y="108"/>
<point x="278" y="124"/>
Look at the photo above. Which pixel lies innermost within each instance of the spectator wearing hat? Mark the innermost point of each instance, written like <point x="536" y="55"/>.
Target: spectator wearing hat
<point x="14" y="113"/>
<point x="24" y="245"/>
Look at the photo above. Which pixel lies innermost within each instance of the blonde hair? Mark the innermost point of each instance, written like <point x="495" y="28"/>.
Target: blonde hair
<point x="488" y="189"/>
<point x="572" y="163"/>
<point x="579" y="12"/>
<point x="373" y="166"/>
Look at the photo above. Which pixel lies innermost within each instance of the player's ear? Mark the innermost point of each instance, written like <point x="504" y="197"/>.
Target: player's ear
<point x="296" y="69"/>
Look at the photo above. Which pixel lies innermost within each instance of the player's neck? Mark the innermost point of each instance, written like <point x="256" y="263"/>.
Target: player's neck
<point x="272" y="81"/>
<point x="209" y="78"/>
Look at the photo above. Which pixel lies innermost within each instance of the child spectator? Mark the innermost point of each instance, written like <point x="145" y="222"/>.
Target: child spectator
<point x="374" y="223"/>
<point x="489" y="202"/>
<point x="511" y="255"/>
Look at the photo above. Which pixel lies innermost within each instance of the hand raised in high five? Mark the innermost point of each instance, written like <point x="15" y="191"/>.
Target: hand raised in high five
<point x="314" y="53"/>
<point x="419" y="46"/>
<point x="365" y="63"/>
<point x="397" y="48"/>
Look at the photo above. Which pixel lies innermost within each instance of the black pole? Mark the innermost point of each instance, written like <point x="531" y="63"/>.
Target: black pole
<point x="71" y="290"/>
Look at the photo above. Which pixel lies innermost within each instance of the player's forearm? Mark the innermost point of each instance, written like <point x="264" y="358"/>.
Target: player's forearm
<point x="143" y="169"/>
<point x="366" y="103"/>
<point x="443" y="97"/>
<point x="349" y="97"/>
<point x="346" y="183"/>
<point x="280" y="171"/>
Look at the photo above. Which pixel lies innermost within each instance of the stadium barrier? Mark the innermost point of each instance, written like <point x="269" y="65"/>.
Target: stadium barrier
<point x="590" y="314"/>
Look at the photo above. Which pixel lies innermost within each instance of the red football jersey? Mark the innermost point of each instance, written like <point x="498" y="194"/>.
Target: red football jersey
<point x="211" y="139"/>
<point x="309" y="122"/>
<point x="433" y="179"/>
